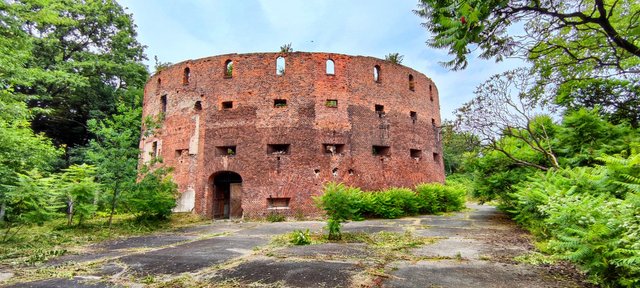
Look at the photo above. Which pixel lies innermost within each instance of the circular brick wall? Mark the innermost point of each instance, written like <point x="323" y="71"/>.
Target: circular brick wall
<point x="267" y="133"/>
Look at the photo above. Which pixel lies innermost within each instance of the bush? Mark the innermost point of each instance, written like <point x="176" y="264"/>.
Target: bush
<point x="437" y="198"/>
<point x="342" y="203"/>
<point x="394" y="202"/>
<point x="588" y="215"/>
<point x="299" y="237"/>
<point x="275" y="217"/>
<point x="154" y="196"/>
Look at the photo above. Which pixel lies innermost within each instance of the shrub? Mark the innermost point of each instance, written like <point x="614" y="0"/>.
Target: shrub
<point x="341" y="203"/>
<point x="588" y="215"/>
<point x="437" y="198"/>
<point x="394" y="202"/>
<point x="154" y="196"/>
<point x="299" y="237"/>
<point x="275" y="217"/>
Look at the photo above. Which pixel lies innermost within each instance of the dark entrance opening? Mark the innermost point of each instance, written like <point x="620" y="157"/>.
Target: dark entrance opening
<point x="227" y="195"/>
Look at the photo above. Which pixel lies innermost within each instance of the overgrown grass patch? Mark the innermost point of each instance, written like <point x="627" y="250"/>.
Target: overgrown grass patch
<point x="37" y="244"/>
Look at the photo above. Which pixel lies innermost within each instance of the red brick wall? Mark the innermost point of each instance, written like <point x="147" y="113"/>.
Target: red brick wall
<point x="306" y="123"/>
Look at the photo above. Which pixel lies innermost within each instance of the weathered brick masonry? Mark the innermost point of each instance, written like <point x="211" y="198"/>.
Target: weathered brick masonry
<point x="262" y="136"/>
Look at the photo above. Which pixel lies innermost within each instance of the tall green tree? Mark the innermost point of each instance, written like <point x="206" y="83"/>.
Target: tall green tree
<point x="21" y="150"/>
<point x="115" y="153"/>
<point x="85" y="57"/>
<point x="503" y="107"/>
<point x="455" y="144"/>
<point x="603" y="33"/>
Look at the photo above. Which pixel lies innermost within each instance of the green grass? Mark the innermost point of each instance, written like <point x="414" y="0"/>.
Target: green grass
<point x="36" y="244"/>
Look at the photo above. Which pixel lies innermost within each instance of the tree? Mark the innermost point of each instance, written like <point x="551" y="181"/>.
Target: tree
<point x="82" y="57"/>
<point x="154" y="195"/>
<point x="115" y="152"/>
<point x="455" y="144"/>
<point x="79" y="191"/>
<point x="394" y="58"/>
<point x="615" y="99"/>
<point x="503" y="107"/>
<point x="29" y="201"/>
<point x="603" y="33"/>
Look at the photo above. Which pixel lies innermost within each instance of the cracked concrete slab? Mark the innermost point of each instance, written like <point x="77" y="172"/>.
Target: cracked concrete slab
<point x="149" y="241"/>
<point x="292" y="273"/>
<point x="191" y="256"/>
<point x="372" y="227"/>
<point x="276" y="228"/>
<point x="461" y="274"/>
<point x="76" y="282"/>
<point x="327" y="250"/>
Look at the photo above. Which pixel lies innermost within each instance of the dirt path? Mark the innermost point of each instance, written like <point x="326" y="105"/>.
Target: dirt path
<point x="475" y="248"/>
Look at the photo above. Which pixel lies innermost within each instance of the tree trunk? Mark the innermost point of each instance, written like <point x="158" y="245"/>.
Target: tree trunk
<point x="69" y="212"/>
<point x="113" y="204"/>
<point x="3" y="209"/>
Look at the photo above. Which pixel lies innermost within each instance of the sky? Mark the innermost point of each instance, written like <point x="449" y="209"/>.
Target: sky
<point x="176" y="31"/>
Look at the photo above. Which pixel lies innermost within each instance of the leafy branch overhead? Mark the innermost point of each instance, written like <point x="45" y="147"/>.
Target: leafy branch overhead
<point x="598" y="33"/>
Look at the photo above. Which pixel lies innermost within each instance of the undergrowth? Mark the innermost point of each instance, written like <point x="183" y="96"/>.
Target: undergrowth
<point x="36" y="244"/>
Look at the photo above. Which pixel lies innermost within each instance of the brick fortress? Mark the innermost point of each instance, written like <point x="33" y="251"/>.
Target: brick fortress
<point x="249" y="134"/>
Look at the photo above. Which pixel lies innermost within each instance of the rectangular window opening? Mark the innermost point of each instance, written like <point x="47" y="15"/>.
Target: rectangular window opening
<point x="226" y="150"/>
<point x="278" y="203"/>
<point x="333" y="148"/>
<point x="278" y="149"/>
<point x="154" y="149"/>
<point x="380" y="150"/>
<point x="227" y="104"/>
<point x="163" y="100"/>
<point x="436" y="157"/>
<point x="380" y="110"/>
<point x="414" y="116"/>
<point x="331" y="103"/>
<point x="279" y="103"/>
<point x="415" y="153"/>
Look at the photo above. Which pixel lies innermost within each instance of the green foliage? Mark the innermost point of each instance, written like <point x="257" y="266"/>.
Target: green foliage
<point x="115" y="152"/>
<point x="561" y="36"/>
<point x="299" y="237"/>
<point x="455" y="144"/>
<point x="616" y="100"/>
<point x="153" y="196"/>
<point x="275" y="217"/>
<point x="584" y="136"/>
<point x="394" y="58"/>
<point x="437" y="198"/>
<point x="30" y="200"/>
<point x="393" y="203"/>
<point x="77" y="60"/>
<point x="588" y="215"/>
<point x="286" y="48"/>
<point x="79" y="191"/>
<point x="342" y="203"/>
<point x="334" y="227"/>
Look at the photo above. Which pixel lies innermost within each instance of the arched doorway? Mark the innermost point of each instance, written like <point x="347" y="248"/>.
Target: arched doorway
<point x="227" y="195"/>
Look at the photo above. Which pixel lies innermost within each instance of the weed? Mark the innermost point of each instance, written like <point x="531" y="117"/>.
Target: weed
<point x="535" y="258"/>
<point x="275" y="217"/>
<point x="299" y="237"/>
<point x="37" y="244"/>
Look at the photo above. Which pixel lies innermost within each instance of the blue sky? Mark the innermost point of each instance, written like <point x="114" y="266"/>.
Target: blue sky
<point x="189" y="29"/>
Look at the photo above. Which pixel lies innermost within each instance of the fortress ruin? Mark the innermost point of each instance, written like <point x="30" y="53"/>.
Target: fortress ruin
<point x="250" y="134"/>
